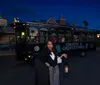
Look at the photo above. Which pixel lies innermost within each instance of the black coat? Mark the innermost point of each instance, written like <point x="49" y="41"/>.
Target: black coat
<point x="41" y="70"/>
<point x="41" y="73"/>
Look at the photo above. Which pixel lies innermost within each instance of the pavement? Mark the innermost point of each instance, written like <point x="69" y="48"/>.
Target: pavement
<point x="83" y="71"/>
<point x="10" y="59"/>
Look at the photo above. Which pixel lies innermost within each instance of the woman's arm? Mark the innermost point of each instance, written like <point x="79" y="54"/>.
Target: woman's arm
<point x="64" y="55"/>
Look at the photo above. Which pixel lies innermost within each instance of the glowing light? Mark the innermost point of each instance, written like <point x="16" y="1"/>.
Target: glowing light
<point x="72" y="28"/>
<point x="98" y="35"/>
<point x="29" y="56"/>
<point x="25" y="58"/>
<point x="15" y="20"/>
<point x="23" y="33"/>
<point x="23" y="24"/>
<point x="18" y="36"/>
<point x="66" y="69"/>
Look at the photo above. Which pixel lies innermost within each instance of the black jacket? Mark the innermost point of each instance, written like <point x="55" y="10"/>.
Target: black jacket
<point x="41" y="70"/>
<point x="44" y="56"/>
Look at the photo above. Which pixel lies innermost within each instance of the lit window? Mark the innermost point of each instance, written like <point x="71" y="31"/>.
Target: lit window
<point x="98" y="35"/>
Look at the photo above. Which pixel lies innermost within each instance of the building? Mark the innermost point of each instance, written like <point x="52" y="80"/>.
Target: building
<point x="7" y="33"/>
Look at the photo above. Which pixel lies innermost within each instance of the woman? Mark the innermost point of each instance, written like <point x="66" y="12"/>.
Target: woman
<point x="46" y="66"/>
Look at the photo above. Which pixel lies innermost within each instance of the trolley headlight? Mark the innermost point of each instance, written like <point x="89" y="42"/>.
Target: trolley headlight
<point x="25" y="59"/>
<point x="29" y="56"/>
<point x="23" y="33"/>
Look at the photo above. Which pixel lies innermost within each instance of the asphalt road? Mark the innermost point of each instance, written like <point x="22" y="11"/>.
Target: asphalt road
<point x="83" y="71"/>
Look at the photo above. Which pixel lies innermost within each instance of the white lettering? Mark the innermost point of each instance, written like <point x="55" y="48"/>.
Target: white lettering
<point x="73" y="46"/>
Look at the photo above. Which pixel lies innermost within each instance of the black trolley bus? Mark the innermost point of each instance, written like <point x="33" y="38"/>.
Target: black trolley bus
<point x="31" y="39"/>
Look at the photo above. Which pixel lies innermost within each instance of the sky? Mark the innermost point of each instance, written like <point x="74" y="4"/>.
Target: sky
<point x="75" y="11"/>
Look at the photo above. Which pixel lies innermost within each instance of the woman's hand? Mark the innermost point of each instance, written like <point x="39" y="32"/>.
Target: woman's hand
<point x="64" y="55"/>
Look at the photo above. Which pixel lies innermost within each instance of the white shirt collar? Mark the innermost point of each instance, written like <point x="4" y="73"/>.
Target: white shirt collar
<point x="52" y="55"/>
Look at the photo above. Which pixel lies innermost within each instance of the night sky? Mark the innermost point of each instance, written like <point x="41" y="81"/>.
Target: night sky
<point x="75" y="11"/>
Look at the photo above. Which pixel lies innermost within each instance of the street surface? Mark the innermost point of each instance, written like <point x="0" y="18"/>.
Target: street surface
<point x="83" y="71"/>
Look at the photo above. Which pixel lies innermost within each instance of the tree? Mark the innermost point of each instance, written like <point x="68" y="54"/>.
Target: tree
<point x="85" y="23"/>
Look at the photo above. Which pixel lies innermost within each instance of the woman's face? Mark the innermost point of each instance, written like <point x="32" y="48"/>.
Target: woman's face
<point x="50" y="45"/>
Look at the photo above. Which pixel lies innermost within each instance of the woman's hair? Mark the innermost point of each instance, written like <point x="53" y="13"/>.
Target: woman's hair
<point x="54" y="46"/>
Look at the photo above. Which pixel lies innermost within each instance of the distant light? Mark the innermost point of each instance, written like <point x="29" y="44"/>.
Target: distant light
<point x="17" y="21"/>
<point x="23" y="33"/>
<point x="27" y="24"/>
<point x="23" y="24"/>
<point x="72" y="28"/>
<point x="29" y="56"/>
<point x="98" y="35"/>
<point x="26" y="59"/>
<point x="18" y="36"/>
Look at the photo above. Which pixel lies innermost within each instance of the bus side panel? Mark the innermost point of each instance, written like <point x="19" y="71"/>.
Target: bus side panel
<point x="76" y="47"/>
